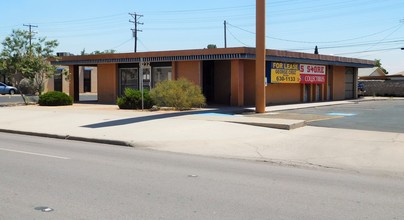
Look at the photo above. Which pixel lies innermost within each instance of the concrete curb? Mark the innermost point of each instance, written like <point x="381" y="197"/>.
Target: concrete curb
<point x="68" y="137"/>
<point x="276" y="123"/>
<point x="273" y="125"/>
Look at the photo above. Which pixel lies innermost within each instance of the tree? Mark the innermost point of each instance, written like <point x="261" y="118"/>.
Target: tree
<point x="212" y="46"/>
<point x="22" y="60"/>
<point x="379" y="64"/>
<point x="83" y="52"/>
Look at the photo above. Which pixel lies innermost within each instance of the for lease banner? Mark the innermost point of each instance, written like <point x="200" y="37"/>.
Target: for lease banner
<point x="312" y="74"/>
<point x="284" y="72"/>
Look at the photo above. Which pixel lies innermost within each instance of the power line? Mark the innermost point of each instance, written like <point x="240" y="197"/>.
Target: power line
<point x="135" y="17"/>
<point x="141" y="42"/>
<point x="401" y="41"/>
<point x="386" y="37"/>
<point x="30" y="26"/>
<point x="366" y="51"/>
<point x="236" y="38"/>
<point x="126" y="41"/>
<point x="317" y="42"/>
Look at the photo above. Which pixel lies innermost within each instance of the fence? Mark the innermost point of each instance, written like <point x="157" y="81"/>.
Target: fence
<point x="383" y="87"/>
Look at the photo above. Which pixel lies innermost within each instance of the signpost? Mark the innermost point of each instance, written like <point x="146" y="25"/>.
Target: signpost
<point x="144" y="74"/>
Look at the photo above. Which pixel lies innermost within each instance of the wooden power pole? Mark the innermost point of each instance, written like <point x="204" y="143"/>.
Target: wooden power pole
<point x="260" y="59"/>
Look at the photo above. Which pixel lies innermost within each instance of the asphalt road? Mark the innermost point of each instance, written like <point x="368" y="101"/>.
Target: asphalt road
<point x="384" y="116"/>
<point x="5" y="99"/>
<point x="92" y="181"/>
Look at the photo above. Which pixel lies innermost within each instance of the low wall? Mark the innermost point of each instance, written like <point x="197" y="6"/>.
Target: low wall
<point x="383" y="87"/>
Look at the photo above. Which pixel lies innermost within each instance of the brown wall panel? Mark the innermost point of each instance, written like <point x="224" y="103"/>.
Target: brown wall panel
<point x="249" y="82"/>
<point x="339" y="83"/>
<point x="237" y="82"/>
<point x="190" y="70"/>
<point x="107" y="83"/>
<point x="283" y="93"/>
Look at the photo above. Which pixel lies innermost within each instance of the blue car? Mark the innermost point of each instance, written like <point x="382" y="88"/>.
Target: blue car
<point x="5" y="89"/>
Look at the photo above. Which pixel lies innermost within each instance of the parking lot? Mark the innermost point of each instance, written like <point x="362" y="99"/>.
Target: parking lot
<point x="384" y="115"/>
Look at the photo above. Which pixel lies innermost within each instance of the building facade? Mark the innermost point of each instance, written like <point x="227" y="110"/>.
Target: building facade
<point x="226" y="76"/>
<point x="59" y="81"/>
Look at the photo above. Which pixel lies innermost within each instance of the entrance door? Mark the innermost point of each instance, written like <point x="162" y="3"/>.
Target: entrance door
<point x="87" y="80"/>
<point x="57" y="81"/>
<point x="318" y="93"/>
<point x="306" y="94"/>
<point x="349" y="83"/>
<point x="208" y="81"/>
<point x="129" y="78"/>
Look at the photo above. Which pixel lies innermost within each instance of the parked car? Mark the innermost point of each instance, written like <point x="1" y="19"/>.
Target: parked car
<point x="5" y="89"/>
<point x="361" y="89"/>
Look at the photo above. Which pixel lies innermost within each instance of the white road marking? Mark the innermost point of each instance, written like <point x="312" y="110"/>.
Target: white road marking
<point x="36" y="154"/>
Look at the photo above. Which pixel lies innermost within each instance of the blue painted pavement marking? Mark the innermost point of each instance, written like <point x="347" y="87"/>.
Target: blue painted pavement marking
<point x="215" y="114"/>
<point x="341" y="114"/>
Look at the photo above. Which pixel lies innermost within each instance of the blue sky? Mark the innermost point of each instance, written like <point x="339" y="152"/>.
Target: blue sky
<point x="367" y="29"/>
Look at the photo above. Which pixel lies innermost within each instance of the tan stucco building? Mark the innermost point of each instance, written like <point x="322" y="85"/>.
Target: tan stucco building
<point x="226" y="76"/>
<point x="60" y="80"/>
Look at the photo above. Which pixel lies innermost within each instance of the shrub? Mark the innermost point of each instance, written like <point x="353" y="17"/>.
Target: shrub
<point x="26" y="87"/>
<point x="179" y="94"/>
<point x="132" y="99"/>
<point x="55" y="98"/>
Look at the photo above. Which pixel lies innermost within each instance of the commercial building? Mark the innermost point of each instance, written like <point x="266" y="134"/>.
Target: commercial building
<point x="60" y="80"/>
<point x="226" y="76"/>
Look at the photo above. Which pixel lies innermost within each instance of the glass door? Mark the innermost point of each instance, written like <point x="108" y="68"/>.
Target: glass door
<point x="128" y="78"/>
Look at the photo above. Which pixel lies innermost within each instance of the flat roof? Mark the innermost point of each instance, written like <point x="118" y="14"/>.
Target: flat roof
<point x="212" y="54"/>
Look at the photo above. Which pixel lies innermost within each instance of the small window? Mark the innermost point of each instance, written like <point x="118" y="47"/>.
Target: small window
<point x="160" y="74"/>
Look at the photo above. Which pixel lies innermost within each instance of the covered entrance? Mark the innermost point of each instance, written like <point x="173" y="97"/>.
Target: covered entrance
<point x="85" y="85"/>
<point x="216" y="82"/>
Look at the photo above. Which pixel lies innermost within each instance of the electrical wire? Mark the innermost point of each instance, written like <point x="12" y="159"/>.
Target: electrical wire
<point x="367" y="51"/>
<point x="236" y="38"/>
<point x="398" y="28"/>
<point x="125" y="42"/>
<point x="141" y="42"/>
<point x="318" y="42"/>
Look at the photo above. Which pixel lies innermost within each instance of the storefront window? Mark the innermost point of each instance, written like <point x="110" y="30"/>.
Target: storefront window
<point x="160" y="74"/>
<point x="129" y="78"/>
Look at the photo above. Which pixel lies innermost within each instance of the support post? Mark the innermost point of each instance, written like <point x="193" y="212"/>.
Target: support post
<point x="260" y="100"/>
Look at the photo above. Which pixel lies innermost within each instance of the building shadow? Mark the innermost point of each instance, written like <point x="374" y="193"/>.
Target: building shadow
<point x="225" y="111"/>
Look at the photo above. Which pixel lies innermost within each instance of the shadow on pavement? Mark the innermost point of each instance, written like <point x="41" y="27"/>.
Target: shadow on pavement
<point x="126" y="121"/>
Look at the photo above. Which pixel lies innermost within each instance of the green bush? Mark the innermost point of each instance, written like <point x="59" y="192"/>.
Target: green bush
<point x="179" y="94"/>
<point x="132" y="99"/>
<point x="55" y="98"/>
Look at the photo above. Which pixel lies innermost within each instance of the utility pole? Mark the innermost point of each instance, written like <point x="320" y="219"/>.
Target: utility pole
<point x="30" y="32"/>
<point x="260" y="59"/>
<point x="135" y="17"/>
<point x="225" y="34"/>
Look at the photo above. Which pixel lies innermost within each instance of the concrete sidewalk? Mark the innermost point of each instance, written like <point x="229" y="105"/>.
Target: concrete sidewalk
<point x="209" y="133"/>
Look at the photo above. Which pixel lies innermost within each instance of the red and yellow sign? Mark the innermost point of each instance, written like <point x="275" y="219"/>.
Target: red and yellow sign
<point x="312" y="74"/>
<point x="285" y="72"/>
